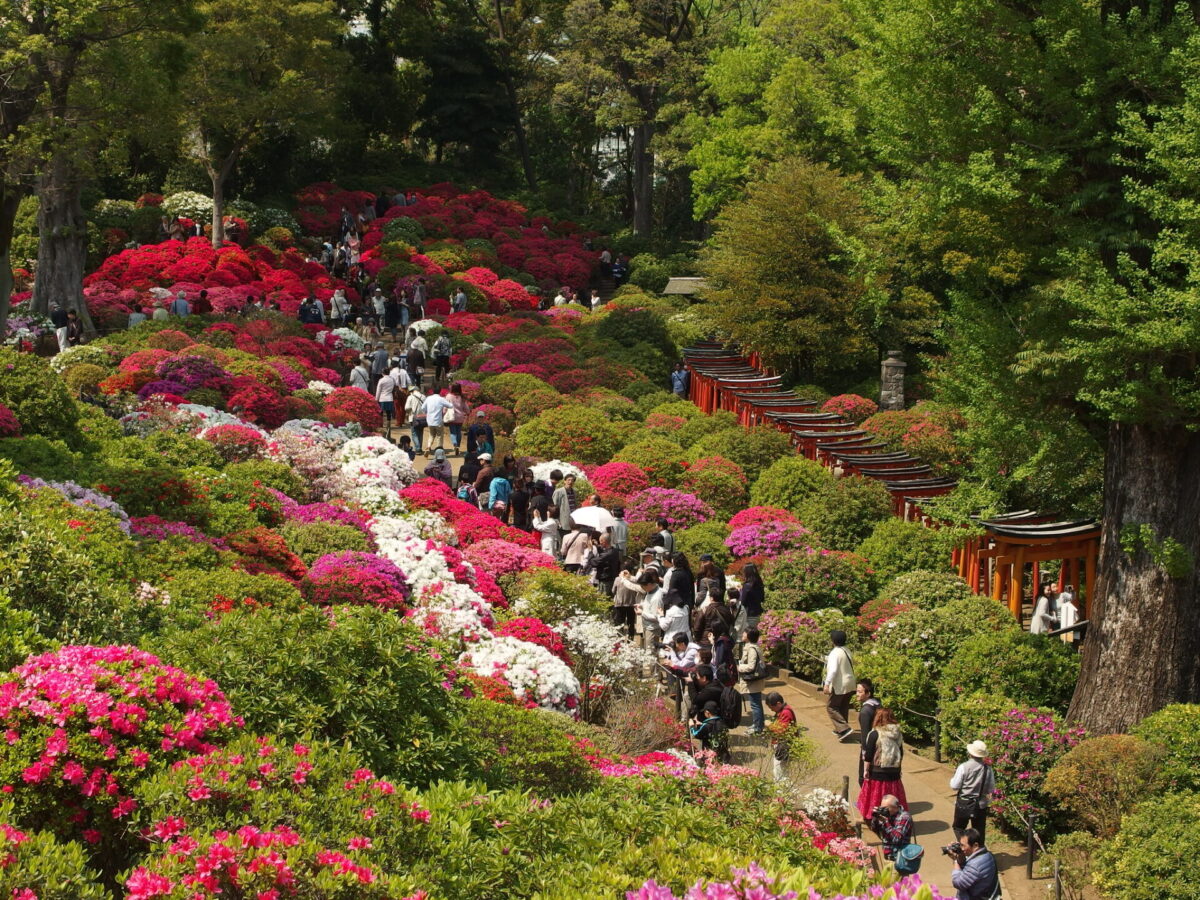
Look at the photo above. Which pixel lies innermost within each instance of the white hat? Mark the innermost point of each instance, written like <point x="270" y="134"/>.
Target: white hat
<point x="978" y="749"/>
<point x="485" y="456"/>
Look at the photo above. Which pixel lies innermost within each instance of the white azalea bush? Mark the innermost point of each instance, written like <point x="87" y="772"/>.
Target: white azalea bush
<point x="536" y="676"/>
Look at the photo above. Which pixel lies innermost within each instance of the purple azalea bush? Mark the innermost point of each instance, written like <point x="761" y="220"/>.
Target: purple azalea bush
<point x="80" y="496"/>
<point x="681" y="509"/>
<point x="768" y="538"/>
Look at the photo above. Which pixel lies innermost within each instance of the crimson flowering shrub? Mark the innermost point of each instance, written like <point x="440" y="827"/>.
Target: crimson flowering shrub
<point x="535" y="631"/>
<point x="851" y="406"/>
<point x="265" y="552"/>
<point x="500" y="558"/>
<point x="757" y="514"/>
<point x="236" y="443"/>
<point x="258" y="404"/>
<point x="9" y="426"/>
<point x="616" y="482"/>
<point x="768" y="538"/>
<point x="890" y="426"/>
<point x="1024" y="746"/>
<point x="351" y="404"/>
<point x="357" y="578"/>
<point x="875" y="613"/>
<point x="681" y="509"/>
<point x="84" y="724"/>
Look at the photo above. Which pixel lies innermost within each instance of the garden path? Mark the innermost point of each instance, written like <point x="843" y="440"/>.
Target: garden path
<point x="926" y="783"/>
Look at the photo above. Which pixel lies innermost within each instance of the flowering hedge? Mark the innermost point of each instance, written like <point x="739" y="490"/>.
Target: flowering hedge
<point x="778" y="627"/>
<point x="355" y="577"/>
<point x="1023" y="746"/>
<point x="680" y="509"/>
<point x="768" y="538"/>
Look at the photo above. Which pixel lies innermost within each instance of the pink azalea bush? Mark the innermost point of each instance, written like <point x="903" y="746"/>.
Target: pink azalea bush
<point x="84" y="724"/>
<point x="500" y="558"/>
<point x="777" y="627"/>
<point x="681" y="509"/>
<point x="768" y="538"/>
<point x="618" y="481"/>
<point x="757" y="514"/>
<point x="851" y="406"/>
<point x="1024" y="745"/>
<point x="753" y="883"/>
<point x="356" y="578"/>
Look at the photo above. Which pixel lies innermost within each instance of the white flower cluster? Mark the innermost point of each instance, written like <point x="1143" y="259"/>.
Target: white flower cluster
<point x="327" y="432"/>
<point x="375" y="464"/>
<point x="321" y="387"/>
<point x="541" y="471"/>
<point x="603" y="654"/>
<point x="823" y="805"/>
<point x="531" y="670"/>
<point x="348" y="338"/>
<point x="195" y="416"/>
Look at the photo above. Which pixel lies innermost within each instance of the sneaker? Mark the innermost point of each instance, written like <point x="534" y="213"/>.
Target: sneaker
<point x="843" y="735"/>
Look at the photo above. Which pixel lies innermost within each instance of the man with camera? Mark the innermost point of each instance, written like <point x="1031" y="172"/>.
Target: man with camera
<point x="893" y="824"/>
<point x="975" y="874"/>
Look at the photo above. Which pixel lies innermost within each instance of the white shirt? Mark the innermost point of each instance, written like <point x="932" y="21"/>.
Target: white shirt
<point x="360" y="378"/>
<point x="1068" y="615"/>
<point x="673" y="621"/>
<point x="377" y="302"/>
<point x="1043" y="616"/>
<point x="435" y="409"/>
<point x="839" y="671"/>
<point x="548" y="529"/>
<point x="652" y="608"/>
<point x="414" y="403"/>
<point x="400" y="376"/>
<point x="383" y="390"/>
<point x="420" y="343"/>
<point x="559" y="299"/>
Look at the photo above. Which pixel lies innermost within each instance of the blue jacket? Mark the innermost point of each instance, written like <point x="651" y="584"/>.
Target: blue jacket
<point x="976" y="880"/>
<point x="499" y="490"/>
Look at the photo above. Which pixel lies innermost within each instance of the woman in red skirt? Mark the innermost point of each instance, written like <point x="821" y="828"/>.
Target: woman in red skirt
<point x="882" y="752"/>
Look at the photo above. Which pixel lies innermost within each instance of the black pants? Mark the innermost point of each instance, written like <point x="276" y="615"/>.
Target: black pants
<point x="969" y="814"/>
<point x="622" y="617"/>
<point x="441" y="366"/>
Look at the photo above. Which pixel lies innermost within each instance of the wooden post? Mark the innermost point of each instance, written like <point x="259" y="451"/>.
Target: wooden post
<point x="1037" y="577"/>
<point x="1017" y="587"/>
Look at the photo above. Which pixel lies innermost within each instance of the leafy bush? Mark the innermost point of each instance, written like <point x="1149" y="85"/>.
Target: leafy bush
<point x="531" y="405"/>
<point x="850" y="406"/>
<point x="1031" y="668"/>
<point x="708" y="537"/>
<point x="968" y="719"/>
<point x="37" y="397"/>
<point x="925" y="589"/>
<point x="778" y="628"/>
<point x="504" y="390"/>
<point x="1103" y="778"/>
<point x="1176" y="728"/>
<point x="312" y="540"/>
<point x="810" y="647"/>
<point x="173" y="449"/>
<point x="789" y="482"/>
<point x="1024" y="745"/>
<point x="198" y="594"/>
<point x="527" y="749"/>
<point x="814" y="578"/>
<point x="680" y="509"/>
<point x="576" y="433"/>
<point x="1151" y="856"/>
<point x="660" y="459"/>
<point x="552" y="595"/>
<point x="688" y="434"/>
<point x="754" y="449"/>
<point x="1073" y="853"/>
<point x="84" y="378"/>
<point x="721" y="482"/>
<point x="811" y="392"/>
<point x="38" y="865"/>
<point x="895" y="547"/>
<point x="270" y="474"/>
<point x="843" y="513"/>
<point x="638" y="723"/>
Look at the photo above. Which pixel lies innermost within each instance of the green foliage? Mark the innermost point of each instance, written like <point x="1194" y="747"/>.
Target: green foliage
<point x="662" y="460"/>
<point x="814" y="578"/>
<point x="708" y="537"/>
<point x="18" y="634"/>
<point x="1150" y="858"/>
<point x="44" y="867"/>
<point x="197" y="593"/>
<point x="967" y="718"/>
<point x="527" y="749"/>
<point x="570" y="432"/>
<point x="1176" y="728"/>
<point x="809" y="649"/>
<point x="1104" y="778"/>
<point x="1033" y="669"/>
<point x="171" y="448"/>
<point x="83" y="378"/>
<point x="1168" y="554"/>
<point x="754" y="449"/>
<point x="38" y="398"/>
<point x="312" y="540"/>
<point x="552" y="595"/>
<point x="404" y="228"/>
<point x="789" y="482"/>
<point x="1073" y="854"/>
<point x="359" y="678"/>
<point x="652" y="272"/>
<point x="700" y="426"/>
<point x="925" y="589"/>
<point x="895" y="547"/>
<point x="270" y="474"/>
<point x="844" y="512"/>
<point x="503" y="390"/>
<point x="719" y="482"/>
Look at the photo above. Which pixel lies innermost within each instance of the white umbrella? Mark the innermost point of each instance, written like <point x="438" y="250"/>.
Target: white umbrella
<point x="596" y="517"/>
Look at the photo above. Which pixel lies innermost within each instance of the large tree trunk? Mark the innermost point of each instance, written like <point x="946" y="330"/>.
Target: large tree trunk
<point x="1143" y="648"/>
<point x="519" y="133"/>
<point x="10" y="199"/>
<point x="62" y="242"/>
<point x="643" y="179"/>
<point x="219" y="175"/>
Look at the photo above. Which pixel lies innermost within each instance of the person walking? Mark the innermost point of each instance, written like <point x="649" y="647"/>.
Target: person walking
<point x="680" y="381"/>
<point x="441" y="357"/>
<point x="414" y="415"/>
<point x="1043" y="612"/>
<point x="619" y="531"/>
<point x="882" y="756"/>
<point x="457" y="415"/>
<point x="839" y="684"/>
<point x="436" y="407"/>
<point x="975" y="782"/>
<point x="1068" y="616"/>
<point x="360" y="375"/>
<point x="753" y="670"/>
<point x="480" y="436"/>
<point x="668" y="539"/>
<point x="564" y="500"/>
<point x="385" y="396"/>
<point x="499" y="495"/>
<point x="864" y="693"/>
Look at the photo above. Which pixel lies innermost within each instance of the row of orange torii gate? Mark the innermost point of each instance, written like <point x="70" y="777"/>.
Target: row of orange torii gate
<point x="993" y="563"/>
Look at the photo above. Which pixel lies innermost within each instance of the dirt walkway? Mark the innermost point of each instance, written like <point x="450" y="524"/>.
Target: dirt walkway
<point x="926" y="783"/>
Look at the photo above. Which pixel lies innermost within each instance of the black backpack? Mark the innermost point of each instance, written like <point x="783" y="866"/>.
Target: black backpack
<point x="731" y="707"/>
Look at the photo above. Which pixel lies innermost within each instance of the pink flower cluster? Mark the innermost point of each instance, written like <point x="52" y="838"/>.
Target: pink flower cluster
<point x="356" y="578"/>
<point x="499" y="558"/>
<point x="681" y="509"/>
<point x="768" y="538"/>
<point x="753" y="883"/>
<point x="851" y="406"/>
<point x="618" y="481"/>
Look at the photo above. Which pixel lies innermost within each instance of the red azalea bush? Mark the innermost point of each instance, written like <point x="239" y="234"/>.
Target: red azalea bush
<point x="357" y="578"/>
<point x="851" y="406"/>
<point x="535" y="631"/>
<point x="264" y="552"/>
<point x="874" y="613"/>
<point x="500" y="558"/>
<point x="84" y="724"/>
<point x="258" y="404"/>
<point x="618" y="481"/>
<point x="351" y="404"/>
<point x="236" y="443"/>
<point x="758" y="514"/>
<point x="9" y="426"/>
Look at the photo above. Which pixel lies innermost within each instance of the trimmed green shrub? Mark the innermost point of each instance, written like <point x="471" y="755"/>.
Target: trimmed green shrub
<point x="925" y="589"/>
<point x="662" y="460"/>
<point x="312" y="540"/>
<point x="696" y="428"/>
<point x="526" y="748"/>
<point x="197" y="595"/>
<point x="814" y="578"/>
<point x="504" y="389"/>
<point x="967" y="719"/>
<point x="719" y="482"/>
<point x="708" y="537"/>
<point x="356" y="678"/>
<point x="42" y="867"/>
<point x="1103" y="778"/>
<point x="895" y="547"/>
<point x="1031" y="668"/>
<point x="809" y="648"/>
<point x="553" y="595"/>
<point x="681" y="408"/>
<point x="754" y="449"/>
<point x="651" y="400"/>
<point x="531" y="405"/>
<point x="173" y="449"/>
<point x="843" y="513"/>
<point x="46" y="459"/>
<point x="812" y="392"/>
<point x="83" y="377"/>
<point x="1177" y="729"/>
<point x="789" y="482"/>
<point x="1152" y="856"/>
<point x="574" y="433"/>
<point x="38" y="398"/>
<point x="268" y="473"/>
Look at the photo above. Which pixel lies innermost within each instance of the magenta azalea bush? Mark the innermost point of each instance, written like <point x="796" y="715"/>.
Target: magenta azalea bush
<point x="768" y="538"/>
<point x="753" y="883"/>
<point x="356" y="578"/>
<point x="1024" y="745"/>
<point x="681" y="509"/>
<point x="83" y="724"/>
<point x="9" y="426"/>
<point x="618" y="481"/>
<point x="777" y="627"/>
<point x="499" y="558"/>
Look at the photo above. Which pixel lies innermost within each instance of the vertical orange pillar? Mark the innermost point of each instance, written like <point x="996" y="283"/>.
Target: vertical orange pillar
<point x="1037" y="577"/>
<point x="1016" y="588"/>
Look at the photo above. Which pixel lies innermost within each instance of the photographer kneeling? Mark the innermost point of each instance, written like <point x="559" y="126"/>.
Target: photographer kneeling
<point x="893" y="824"/>
<point x="975" y="873"/>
